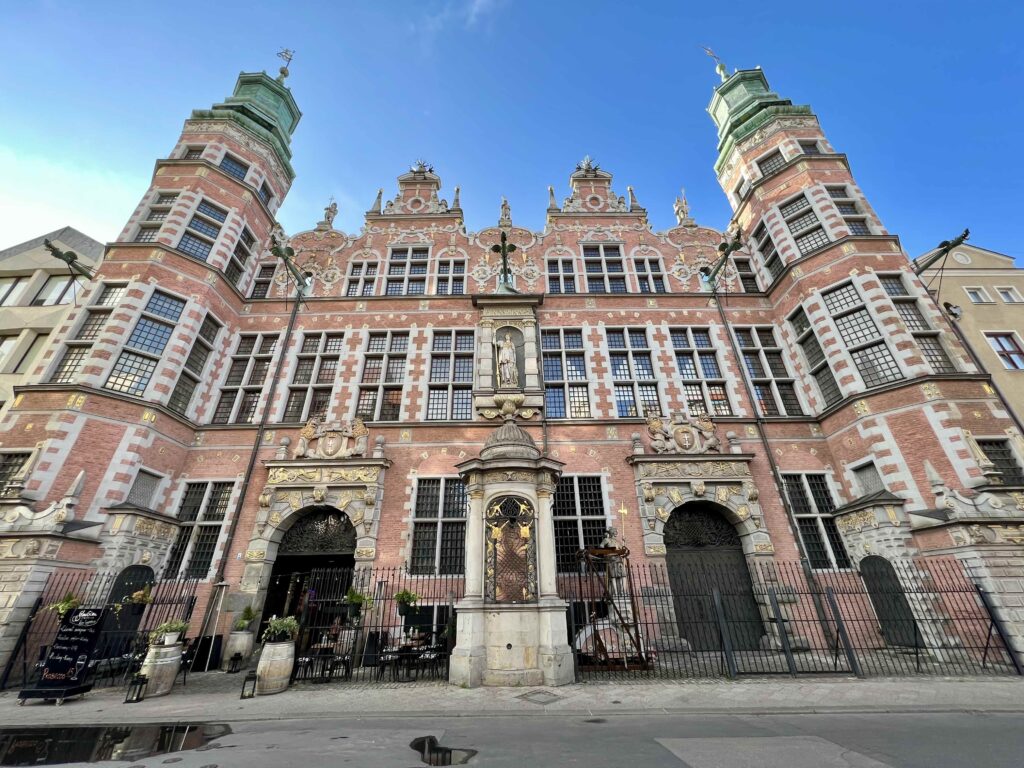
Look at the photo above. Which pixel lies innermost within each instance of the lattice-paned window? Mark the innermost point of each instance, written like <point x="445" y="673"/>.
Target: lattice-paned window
<point x="810" y="147"/>
<point x="78" y="348"/>
<point x="195" y="366"/>
<point x="650" y="275"/>
<point x="11" y="464"/>
<point x="158" y="212"/>
<point x="812" y="504"/>
<point x="439" y="526"/>
<point x="266" y="194"/>
<point x="203" y="230"/>
<point x="860" y="334"/>
<point x="765" y="364"/>
<point x="383" y="379"/>
<point x="769" y="254"/>
<point x="232" y="166"/>
<point x="566" y="388"/>
<point x="201" y="515"/>
<point x="636" y="386"/>
<point x="316" y="369"/>
<point x="70" y="364"/>
<point x="247" y="377"/>
<point x="143" y="489"/>
<point x="1009" y="349"/>
<point x="193" y="153"/>
<point x="450" y="393"/>
<point x="771" y="164"/>
<point x="111" y="295"/>
<point x="407" y="272"/>
<point x="803" y="224"/>
<point x="848" y="207"/>
<point x="264" y="279"/>
<point x="580" y="518"/>
<point x="746" y="275"/>
<point x="868" y="479"/>
<point x="561" y="276"/>
<point x="235" y="267"/>
<point x="927" y="338"/>
<point x="700" y="373"/>
<point x="893" y="285"/>
<point x="1001" y="455"/>
<point x="451" y="277"/>
<point x="816" y="362"/>
<point x="362" y="278"/>
<point x="603" y="267"/>
<point x="134" y="367"/>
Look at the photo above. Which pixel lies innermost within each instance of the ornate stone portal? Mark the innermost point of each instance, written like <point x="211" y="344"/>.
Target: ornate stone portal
<point x="511" y="623"/>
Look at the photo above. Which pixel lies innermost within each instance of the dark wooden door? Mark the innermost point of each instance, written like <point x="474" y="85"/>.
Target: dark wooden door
<point x="895" y="618"/>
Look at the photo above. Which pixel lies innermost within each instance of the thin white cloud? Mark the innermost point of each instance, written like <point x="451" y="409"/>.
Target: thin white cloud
<point x="39" y="195"/>
<point x="466" y="14"/>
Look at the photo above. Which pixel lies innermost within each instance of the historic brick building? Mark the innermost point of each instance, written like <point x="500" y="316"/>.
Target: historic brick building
<point x="190" y="413"/>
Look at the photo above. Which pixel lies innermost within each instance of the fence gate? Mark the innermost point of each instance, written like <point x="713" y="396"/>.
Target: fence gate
<point x="895" y="618"/>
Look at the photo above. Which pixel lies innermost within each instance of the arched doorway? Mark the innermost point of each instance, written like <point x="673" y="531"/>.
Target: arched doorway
<point x="704" y="552"/>
<point x="121" y="624"/>
<point x="895" y="618"/>
<point x="322" y="537"/>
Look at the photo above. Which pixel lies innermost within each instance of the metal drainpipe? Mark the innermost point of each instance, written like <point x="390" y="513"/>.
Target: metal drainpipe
<point x="219" y="585"/>
<point x="776" y="474"/>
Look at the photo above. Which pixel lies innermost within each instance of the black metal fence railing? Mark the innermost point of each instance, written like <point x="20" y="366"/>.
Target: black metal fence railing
<point x="676" y="621"/>
<point x="356" y="625"/>
<point x="131" y="611"/>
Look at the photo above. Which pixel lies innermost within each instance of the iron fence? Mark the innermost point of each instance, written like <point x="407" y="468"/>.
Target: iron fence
<point x="678" y="621"/>
<point x="354" y="625"/>
<point x="132" y="608"/>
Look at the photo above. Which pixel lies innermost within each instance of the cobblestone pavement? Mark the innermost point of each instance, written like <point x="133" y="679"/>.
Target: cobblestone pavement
<point x="214" y="696"/>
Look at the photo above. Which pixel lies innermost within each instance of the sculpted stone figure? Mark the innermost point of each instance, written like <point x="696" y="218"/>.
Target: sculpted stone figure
<point x="508" y="371"/>
<point x="330" y="212"/>
<point x="683" y="435"/>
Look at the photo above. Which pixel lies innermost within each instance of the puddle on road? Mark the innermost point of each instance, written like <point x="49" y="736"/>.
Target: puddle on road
<point x="60" y="746"/>
<point x="432" y="753"/>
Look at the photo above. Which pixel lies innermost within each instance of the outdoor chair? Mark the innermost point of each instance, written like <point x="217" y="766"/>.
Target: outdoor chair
<point x="389" y="657"/>
<point x="433" y="659"/>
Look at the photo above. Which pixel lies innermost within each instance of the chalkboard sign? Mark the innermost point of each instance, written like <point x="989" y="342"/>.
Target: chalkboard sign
<point x="67" y="663"/>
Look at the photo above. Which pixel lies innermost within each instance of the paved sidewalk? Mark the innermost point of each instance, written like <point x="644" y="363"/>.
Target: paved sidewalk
<point x="213" y="697"/>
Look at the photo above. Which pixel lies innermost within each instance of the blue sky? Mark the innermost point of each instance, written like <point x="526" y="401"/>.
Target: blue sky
<point x="505" y="96"/>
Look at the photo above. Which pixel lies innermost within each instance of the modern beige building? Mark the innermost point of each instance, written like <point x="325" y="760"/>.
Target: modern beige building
<point x="983" y="294"/>
<point x="36" y="291"/>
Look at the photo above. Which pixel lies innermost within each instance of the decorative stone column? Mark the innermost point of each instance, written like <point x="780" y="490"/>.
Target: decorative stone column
<point x="511" y="623"/>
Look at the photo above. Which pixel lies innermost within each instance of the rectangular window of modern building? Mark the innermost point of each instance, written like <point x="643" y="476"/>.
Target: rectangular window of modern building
<point x="31" y="353"/>
<point x="439" y="526"/>
<point x="765" y="364"/>
<point x="247" y="376"/>
<point x="636" y="386"/>
<point x="812" y="504"/>
<point x="1009" y="295"/>
<point x="11" y="290"/>
<point x="407" y="272"/>
<point x="58" y="289"/>
<point x="580" y="519"/>
<point x="138" y="360"/>
<point x="566" y="391"/>
<point x="383" y="379"/>
<point x="201" y="515"/>
<point x="978" y="295"/>
<point x="1009" y="349"/>
<point x="561" y="276"/>
<point x="451" y="277"/>
<point x="604" y="270"/>
<point x="450" y="393"/>
<point x="362" y="278"/>
<point x="700" y="373"/>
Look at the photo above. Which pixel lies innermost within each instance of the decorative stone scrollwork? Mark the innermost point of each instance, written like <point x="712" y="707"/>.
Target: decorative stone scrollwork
<point x="332" y="441"/>
<point x="683" y="435"/>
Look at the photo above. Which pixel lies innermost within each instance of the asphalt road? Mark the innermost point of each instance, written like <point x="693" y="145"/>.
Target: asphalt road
<point x="927" y="740"/>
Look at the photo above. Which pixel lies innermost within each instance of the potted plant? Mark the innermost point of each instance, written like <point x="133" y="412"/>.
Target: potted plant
<point x="274" y="671"/>
<point x="169" y="632"/>
<point x="241" y="639"/>
<point x="356" y="601"/>
<point x="405" y="600"/>
<point x="69" y="602"/>
<point x="139" y="599"/>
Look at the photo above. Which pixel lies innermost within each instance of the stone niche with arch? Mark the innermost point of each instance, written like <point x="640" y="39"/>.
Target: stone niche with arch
<point x="353" y="486"/>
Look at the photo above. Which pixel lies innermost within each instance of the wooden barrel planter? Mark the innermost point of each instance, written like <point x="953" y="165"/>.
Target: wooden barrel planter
<point x="161" y="666"/>
<point x="274" y="670"/>
<point x="238" y="642"/>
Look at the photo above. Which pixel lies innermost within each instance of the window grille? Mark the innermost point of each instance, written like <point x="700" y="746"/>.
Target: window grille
<point x="566" y="391"/>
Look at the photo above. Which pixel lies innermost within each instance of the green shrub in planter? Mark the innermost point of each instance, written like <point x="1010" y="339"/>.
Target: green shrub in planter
<point x="405" y="600"/>
<point x="281" y="630"/>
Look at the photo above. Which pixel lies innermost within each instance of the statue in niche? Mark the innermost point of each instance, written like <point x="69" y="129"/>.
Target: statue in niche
<point x="508" y="371"/>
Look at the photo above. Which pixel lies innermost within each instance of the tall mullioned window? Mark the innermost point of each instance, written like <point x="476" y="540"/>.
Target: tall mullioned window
<point x="451" y="277"/>
<point x="771" y="164"/>
<point x="407" y="272"/>
<point x="232" y="166"/>
<point x="138" y="360"/>
<point x="909" y="310"/>
<point x="264" y="279"/>
<point x="200" y="518"/>
<point x="92" y="325"/>
<point x="439" y="526"/>
<point x="860" y="334"/>
<point x="158" y="212"/>
<point x="812" y="504"/>
<point x="603" y="266"/>
<point x="803" y="224"/>
<point x="746" y="275"/>
<point x="649" y="275"/>
<point x="816" y="361"/>
<point x="702" y="381"/>
<point x="856" y="220"/>
<point x="235" y="267"/>
<point x="566" y="391"/>
<point x="450" y="395"/>
<point x="380" y="389"/>
<point x="195" y="365"/>
<point x="769" y="253"/>
<point x="316" y="369"/>
<point x="561" y="276"/>
<point x="362" y="278"/>
<point x="242" y="391"/>
<point x="580" y="518"/>
<point x="203" y="230"/>
<point x="636" y="386"/>
<point x="766" y="368"/>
